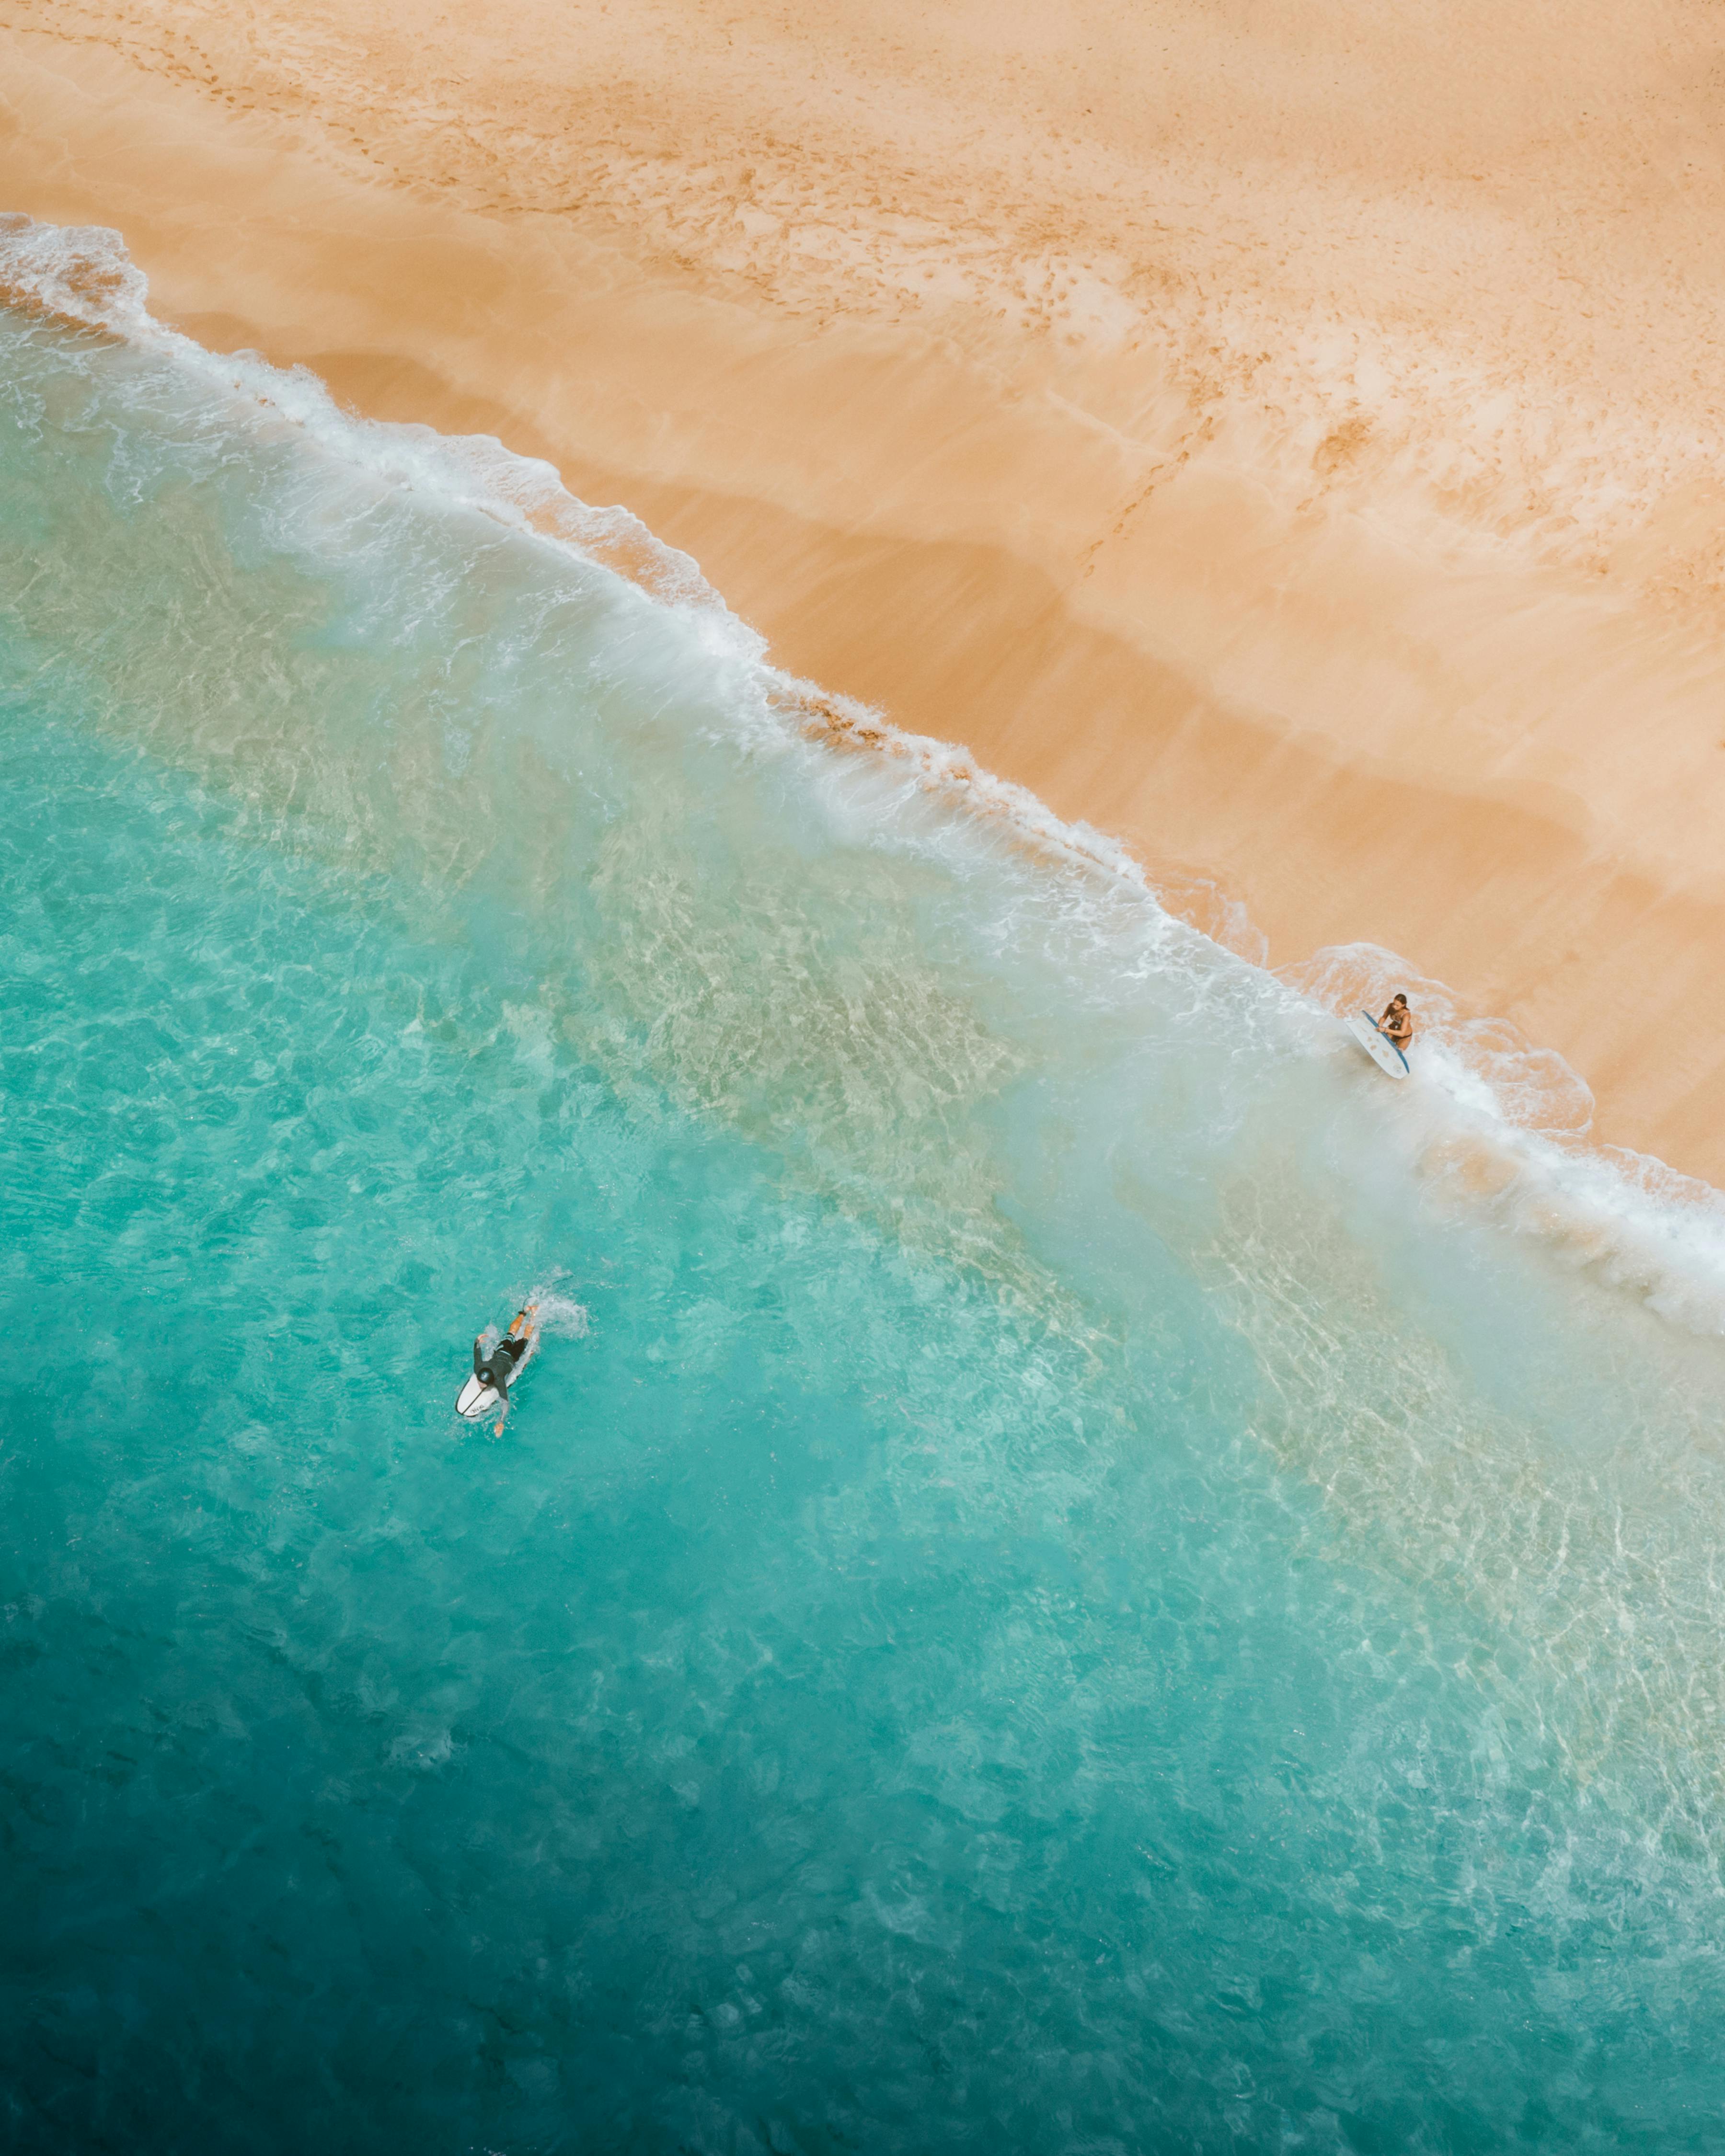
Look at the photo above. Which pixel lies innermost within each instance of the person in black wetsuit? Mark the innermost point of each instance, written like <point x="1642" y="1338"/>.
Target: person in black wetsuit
<point x="498" y="1367"/>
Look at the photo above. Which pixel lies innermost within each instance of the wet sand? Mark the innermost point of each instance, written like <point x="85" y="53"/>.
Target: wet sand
<point x="1293" y="449"/>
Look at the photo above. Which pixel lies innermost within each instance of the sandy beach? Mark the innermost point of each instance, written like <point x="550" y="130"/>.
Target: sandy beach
<point x="1292" y="444"/>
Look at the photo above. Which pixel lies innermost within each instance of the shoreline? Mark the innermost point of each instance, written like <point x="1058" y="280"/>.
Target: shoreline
<point x="1360" y="721"/>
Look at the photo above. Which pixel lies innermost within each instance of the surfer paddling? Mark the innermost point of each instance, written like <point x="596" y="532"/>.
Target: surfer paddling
<point x="1397" y="1023"/>
<point x="498" y="1367"/>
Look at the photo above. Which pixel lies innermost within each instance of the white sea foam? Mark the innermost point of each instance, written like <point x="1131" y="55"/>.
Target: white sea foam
<point x="561" y="1317"/>
<point x="1491" y="1122"/>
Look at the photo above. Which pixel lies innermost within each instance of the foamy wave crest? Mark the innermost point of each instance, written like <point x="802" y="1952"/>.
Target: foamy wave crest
<point x="1499" y="1124"/>
<point x="81" y="276"/>
<point x="1485" y="1063"/>
<point x="1492" y="1123"/>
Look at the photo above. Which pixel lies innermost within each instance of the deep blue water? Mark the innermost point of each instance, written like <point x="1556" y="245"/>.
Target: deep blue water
<point x="1055" y="1590"/>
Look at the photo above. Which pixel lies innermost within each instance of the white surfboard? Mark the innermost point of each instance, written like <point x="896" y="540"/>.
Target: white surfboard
<point x="1382" y="1050"/>
<point x="476" y="1398"/>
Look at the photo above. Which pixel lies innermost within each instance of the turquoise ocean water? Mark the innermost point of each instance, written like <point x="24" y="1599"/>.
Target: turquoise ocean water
<point x="1078" y="1573"/>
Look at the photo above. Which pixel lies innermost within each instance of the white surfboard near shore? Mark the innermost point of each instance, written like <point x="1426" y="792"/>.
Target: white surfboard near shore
<point x="1382" y="1050"/>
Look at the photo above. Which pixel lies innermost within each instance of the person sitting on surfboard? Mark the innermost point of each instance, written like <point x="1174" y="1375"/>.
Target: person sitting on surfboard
<point x="1397" y="1023"/>
<point x="498" y="1367"/>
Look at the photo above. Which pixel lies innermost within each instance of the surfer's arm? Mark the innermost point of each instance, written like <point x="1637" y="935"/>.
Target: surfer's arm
<point x="478" y="1367"/>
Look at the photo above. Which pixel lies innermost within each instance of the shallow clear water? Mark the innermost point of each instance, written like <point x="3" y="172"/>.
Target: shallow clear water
<point x="1071" y="1595"/>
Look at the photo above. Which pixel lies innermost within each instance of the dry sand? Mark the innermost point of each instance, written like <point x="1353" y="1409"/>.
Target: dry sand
<point x="1288" y="437"/>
